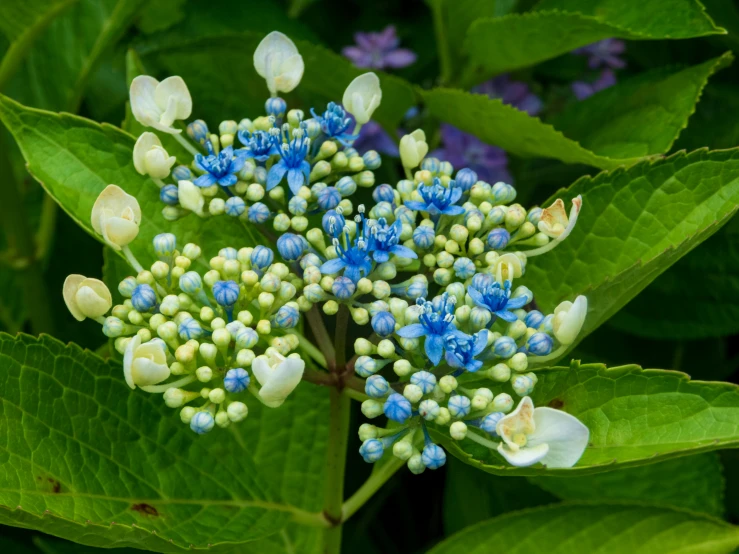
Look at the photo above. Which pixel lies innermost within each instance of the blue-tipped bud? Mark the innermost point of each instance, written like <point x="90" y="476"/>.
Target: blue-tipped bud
<point x="397" y="407"/>
<point x="143" y="298"/>
<point x="503" y="193"/>
<point x="329" y="198"/>
<point x="376" y="386"/>
<point x="372" y="160"/>
<point x="534" y="319"/>
<point x="383" y="193"/>
<point x="490" y="422"/>
<point x="112" y="327"/>
<point x="198" y="131"/>
<point x="290" y="246"/>
<point x="505" y="347"/>
<point x="229" y="253"/>
<point x="235" y="206"/>
<point x="190" y="329"/>
<point x="246" y="337"/>
<point x="365" y="366"/>
<point x="226" y="293"/>
<point x="423" y="237"/>
<point x="170" y="195"/>
<point x="539" y="344"/>
<point x="425" y="380"/>
<point x="202" y="422"/>
<point x="181" y="173"/>
<point x="481" y="281"/>
<point x="346" y="186"/>
<point x="498" y="238"/>
<point x="343" y="288"/>
<point x="372" y="450"/>
<point x="431" y="164"/>
<point x="547" y="324"/>
<point x="383" y="323"/>
<point x="297" y="205"/>
<point x="418" y="289"/>
<point x="275" y="107"/>
<point x="523" y="385"/>
<point x="236" y="380"/>
<point x="258" y="212"/>
<point x="286" y="317"/>
<point x="262" y="257"/>
<point x="534" y="216"/>
<point x="433" y="456"/>
<point x="464" y="268"/>
<point x="191" y="283"/>
<point x="465" y="178"/>
<point x="127" y="286"/>
<point x="459" y="406"/>
<point x="165" y="245"/>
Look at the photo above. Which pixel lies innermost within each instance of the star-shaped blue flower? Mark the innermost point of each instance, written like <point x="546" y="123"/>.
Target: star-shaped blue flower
<point x="461" y="353"/>
<point x="335" y="124"/>
<point x="384" y="240"/>
<point x="438" y="200"/>
<point x="257" y="145"/>
<point x="353" y="256"/>
<point x="497" y="300"/>
<point x="293" y="163"/>
<point x="219" y="168"/>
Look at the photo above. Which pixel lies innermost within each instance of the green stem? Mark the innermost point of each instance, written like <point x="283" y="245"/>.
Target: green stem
<point x="370" y="487"/>
<point x="335" y="467"/>
<point x="342" y="326"/>
<point x="321" y="333"/>
<point x="189" y="147"/>
<point x="312" y="351"/>
<point x="442" y="42"/>
<point x="22" y="249"/>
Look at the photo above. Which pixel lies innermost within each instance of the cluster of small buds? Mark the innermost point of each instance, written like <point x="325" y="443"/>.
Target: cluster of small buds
<point x="430" y="267"/>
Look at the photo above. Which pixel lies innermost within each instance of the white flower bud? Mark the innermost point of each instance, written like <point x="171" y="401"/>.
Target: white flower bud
<point x="371" y="408"/>
<point x="191" y="197"/>
<point x="116" y="216"/>
<point x="170" y="305"/>
<point x="237" y="411"/>
<point x="367" y="431"/>
<point x="413" y="149"/>
<point x="277" y="60"/>
<point x="278" y="376"/>
<point x="145" y="364"/>
<point x="362" y="97"/>
<point x="502" y="403"/>
<point x="568" y="320"/>
<point x="458" y="430"/>
<point x="150" y="158"/>
<point x="159" y="105"/>
<point x="204" y="374"/>
<point x="86" y="297"/>
<point x="402" y="368"/>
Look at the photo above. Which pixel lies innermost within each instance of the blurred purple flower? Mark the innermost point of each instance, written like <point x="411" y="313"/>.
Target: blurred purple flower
<point x="583" y="89"/>
<point x="465" y="150"/>
<point x="373" y="137"/>
<point x="379" y="50"/>
<point x="603" y="53"/>
<point x="513" y="93"/>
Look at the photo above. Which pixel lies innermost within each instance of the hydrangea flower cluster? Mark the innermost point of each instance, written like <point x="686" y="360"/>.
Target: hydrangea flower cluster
<point x="429" y="268"/>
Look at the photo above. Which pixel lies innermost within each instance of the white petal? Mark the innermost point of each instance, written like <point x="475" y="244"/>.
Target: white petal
<point x="119" y="232"/>
<point x="143" y="105"/>
<point x="366" y="87"/>
<point x="569" y="319"/>
<point x="523" y="457"/>
<point x="289" y="74"/>
<point x="146" y="372"/>
<point x="520" y="420"/>
<point x="261" y="369"/>
<point x="566" y="436"/>
<point x="113" y="201"/>
<point x="174" y="88"/>
<point x="157" y="163"/>
<point x="91" y="303"/>
<point x="69" y="291"/>
<point x="141" y="148"/>
<point x="131" y="347"/>
<point x="190" y="196"/>
<point x="271" y="53"/>
<point x="283" y="380"/>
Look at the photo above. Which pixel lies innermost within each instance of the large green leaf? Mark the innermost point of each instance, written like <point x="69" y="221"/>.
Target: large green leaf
<point x="75" y="159"/>
<point x="691" y="482"/>
<point x="637" y="118"/>
<point x="595" y="528"/>
<point x="85" y="458"/>
<point x="559" y="26"/>
<point x="634" y="224"/>
<point x="635" y="417"/>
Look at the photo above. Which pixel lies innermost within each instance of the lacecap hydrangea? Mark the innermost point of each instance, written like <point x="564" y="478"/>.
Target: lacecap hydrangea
<point x="429" y="268"/>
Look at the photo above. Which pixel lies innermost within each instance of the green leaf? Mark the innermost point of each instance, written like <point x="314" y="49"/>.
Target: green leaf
<point x="639" y="116"/>
<point x="634" y="224"/>
<point x="85" y="458"/>
<point x="692" y="482"/>
<point x="239" y="92"/>
<point x="696" y="298"/>
<point x="559" y="26"/>
<point x="635" y="119"/>
<point x="601" y="528"/>
<point x="635" y="417"/>
<point x="75" y="159"/>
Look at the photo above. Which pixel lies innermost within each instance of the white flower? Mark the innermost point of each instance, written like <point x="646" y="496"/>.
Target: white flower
<point x="159" y="105"/>
<point x="86" y="297"/>
<point x="116" y="216"/>
<point x="191" y="197"/>
<point x="362" y="97"/>
<point x="277" y="60"/>
<point x="278" y="376"/>
<point x="569" y="318"/>
<point x="413" y="148"/>
<point x="508" y="267"/>
<point x="150" y="157"/>
<point x="552" y="437"/>
<point x="145" y="364"/>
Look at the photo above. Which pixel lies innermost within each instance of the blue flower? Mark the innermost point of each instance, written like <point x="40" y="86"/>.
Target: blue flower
<point x="328" y="198"/>
<point x="258" y="145"/>
<point x="286" y="317"/>
<point x="275" y="107"/>
<point x="343" y="288"/>
<point x="376" y="386"/>
<point x="383" y="323"/>
<point x="226" y="293"/>
<point x="190" y="329"/>
<point x="293" y="163"/>
<point x="219" y="168"/>
<point x="423" y="236"/>
<point x="397" y="407"/>
<point x="290" y="246"/>
<point x="261" y="257"/>
<point x="170" y="195"/>
<point x="498" y="238"/>
<point x="165" y="245"/>
<point x="372" y="450"/>
<point x="433" y="456"/>
<point x="436" y="324"/>
<point x="235" y="206"/>
<point x="425" y="380"/>
<point x="236" y="380"/>
<point x="198" y="131"/>
<point x="539" y="344"/>
<point x="335" y="124"/>
<point x="258" y="213"/>
<point x="143" y="298"/>
<point x="490" y="422"/>
<point x="438" y="200"/>
<point x="461" y="352"/>
<point x="353" y="256"/>
<point x="384" y="240"/>
<point x="497" y="300"/>
<point x="459" y="406"/>
<point x="202" y="422"/>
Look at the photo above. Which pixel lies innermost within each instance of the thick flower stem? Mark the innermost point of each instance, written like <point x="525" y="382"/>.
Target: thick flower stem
<point x="379" y="477"/>
<point x="335" y="467"/>
<point x="342" y="326"/>
<point x="315" y="321"/>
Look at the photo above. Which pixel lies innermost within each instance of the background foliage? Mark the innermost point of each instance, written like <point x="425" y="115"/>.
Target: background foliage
<point x="80" y="458"/>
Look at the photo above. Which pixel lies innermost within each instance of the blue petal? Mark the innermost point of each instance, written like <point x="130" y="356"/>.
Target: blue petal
<point x="457" y="334"/>
<point x="199" y="162"/>
<point x="333" y="266"/>
<point x="481" y="341"/>
<point x="452" y="360"/>
<point x="237" y="164"/>
<point x="506" y="316"/>
<point x="403" y="252"/>
<point x="228" y="180"/>
<point x="416" y="206"/>
<point x="204" y="180"/>
<point x="380" y="256"/>
<point x="275" y="175"/>
<point x="397" y="227"/>
<point x="453" y="210"/>
<point x="456" y="195"/>
<point x="353" y="272"/>
<point x="477" y="297"/>
<point x="434" y="346"/>
<point x="515" y="303"/>
<point x="295" y="180"/>
<point x="305" y="168"/>
<point x="473" y="366"/>
<point x="412" y="331"/>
